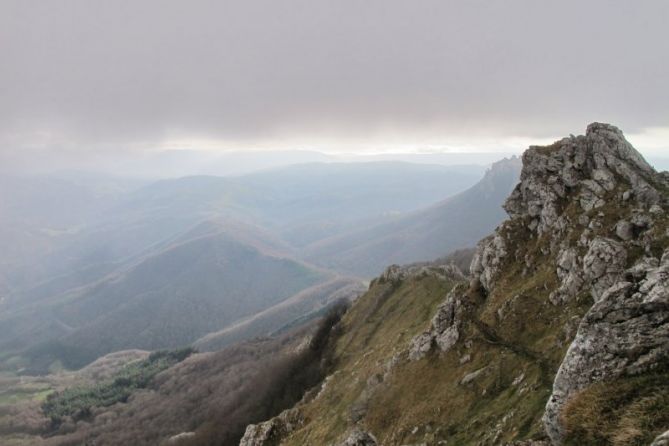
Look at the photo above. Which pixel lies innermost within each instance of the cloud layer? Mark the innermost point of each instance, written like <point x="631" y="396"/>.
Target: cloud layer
<point x="136" y="73"/>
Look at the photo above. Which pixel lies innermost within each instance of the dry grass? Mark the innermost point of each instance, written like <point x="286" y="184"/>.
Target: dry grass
<point x="627" y="411"/>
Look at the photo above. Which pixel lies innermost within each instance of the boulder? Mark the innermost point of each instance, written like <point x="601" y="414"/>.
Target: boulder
<point x="359" y="437"/>
<point x="272" y="431"/>
<point x="626" y="332"/>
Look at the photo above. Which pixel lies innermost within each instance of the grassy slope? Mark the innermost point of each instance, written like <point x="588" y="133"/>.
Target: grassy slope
<point x="423" y="400"/>
<point x="515" y="333"/>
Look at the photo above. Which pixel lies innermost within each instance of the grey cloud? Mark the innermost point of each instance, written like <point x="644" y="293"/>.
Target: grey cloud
<point x="128" y="71"/>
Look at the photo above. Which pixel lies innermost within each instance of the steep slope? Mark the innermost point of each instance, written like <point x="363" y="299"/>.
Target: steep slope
<point x="559" y="336"/>
<point x="456" y="222"/>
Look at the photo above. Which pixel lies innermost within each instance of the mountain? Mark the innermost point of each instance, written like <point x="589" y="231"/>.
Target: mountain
<point x="454" y="223"/>
<point x="200" y="284"/>
<point x="297" y="204"/>
<point x="40" y="214"/>
<point x="153" y="252"/>
<point x="559" y="336"/>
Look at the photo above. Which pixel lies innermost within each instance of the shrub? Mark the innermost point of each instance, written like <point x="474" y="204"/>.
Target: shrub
<point x="77" y="402"/>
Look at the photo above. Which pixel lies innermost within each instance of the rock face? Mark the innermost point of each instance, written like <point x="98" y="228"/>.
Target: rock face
<point x="626" y="332"/>
<point x="272" y="431"/>
<point x="487" y="260"/>
<point x="444" y="329"/>
<point x="591" y="165"/>
<point x="627" y="329"/>
<point x="397" y="273"/>
<point x="359" y="438"/>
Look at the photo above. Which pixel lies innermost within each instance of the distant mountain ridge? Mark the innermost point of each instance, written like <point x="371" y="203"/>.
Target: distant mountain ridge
<point x="146" y="272"/>
<point x="456" y="222"/>
<point x="168" y="299"/>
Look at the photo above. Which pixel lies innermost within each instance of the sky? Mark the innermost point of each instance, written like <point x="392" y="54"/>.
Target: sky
<point x="93" y="79"/>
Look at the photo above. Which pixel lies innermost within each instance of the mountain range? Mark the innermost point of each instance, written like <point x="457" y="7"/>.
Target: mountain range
<point x="212" y="260"/>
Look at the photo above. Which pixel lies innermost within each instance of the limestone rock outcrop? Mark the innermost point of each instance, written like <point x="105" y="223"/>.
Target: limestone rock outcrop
<point x="272" y="431"/>
<point x="359" y="438"/>
<point x="627" y="329"/>
<point x="444" y="329"/>
<point x="590" y="165"/>
<point x="626" y="332"/>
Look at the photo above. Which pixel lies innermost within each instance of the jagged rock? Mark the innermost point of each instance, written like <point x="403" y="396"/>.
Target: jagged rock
<point x="626" y="332"/>
<point x="392" y="274"/>
<point x="587" y="168"/>
<point x="272" y="431"/>
<point x="570" y="273"/>
<point x="603" y="264"/>
<point x="396" y="273"/>
<point x="625" y="230"/>
<point x="487" y="260"/>
<point x="662" y="440"/>
<point x="421" y="345"/>
<point x="444" y="329"/>
<point x="359" y="438"/>
<point x="590" y="163"/>
<point x="656" y="210"/>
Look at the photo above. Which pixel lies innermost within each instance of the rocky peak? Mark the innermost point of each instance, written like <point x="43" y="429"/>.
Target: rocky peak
<point x="567" y="186"/>
<point x="594" y="168"/>
<point x="572" y="289"/>
<point x="502" y="175"/>
<point x="600" y="210"/>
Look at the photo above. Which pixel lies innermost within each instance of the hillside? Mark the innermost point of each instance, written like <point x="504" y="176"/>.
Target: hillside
<point x="60" y="234"/>
<point x="557" y="335"/>
<point x="456" y="222"/>
<point x="193" y="256"/>
<point x="560" y="335"/>
<point x="168" y="299"/>
<point x="217" y="392"/>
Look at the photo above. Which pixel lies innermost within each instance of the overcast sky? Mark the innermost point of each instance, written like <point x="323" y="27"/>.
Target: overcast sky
<point x="89" y="76"/>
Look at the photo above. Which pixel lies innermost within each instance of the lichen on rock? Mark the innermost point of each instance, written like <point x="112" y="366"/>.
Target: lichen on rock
<point x="626" y="332"/>
<point x="444" y="330"/>
<point x="273" y="430"/>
